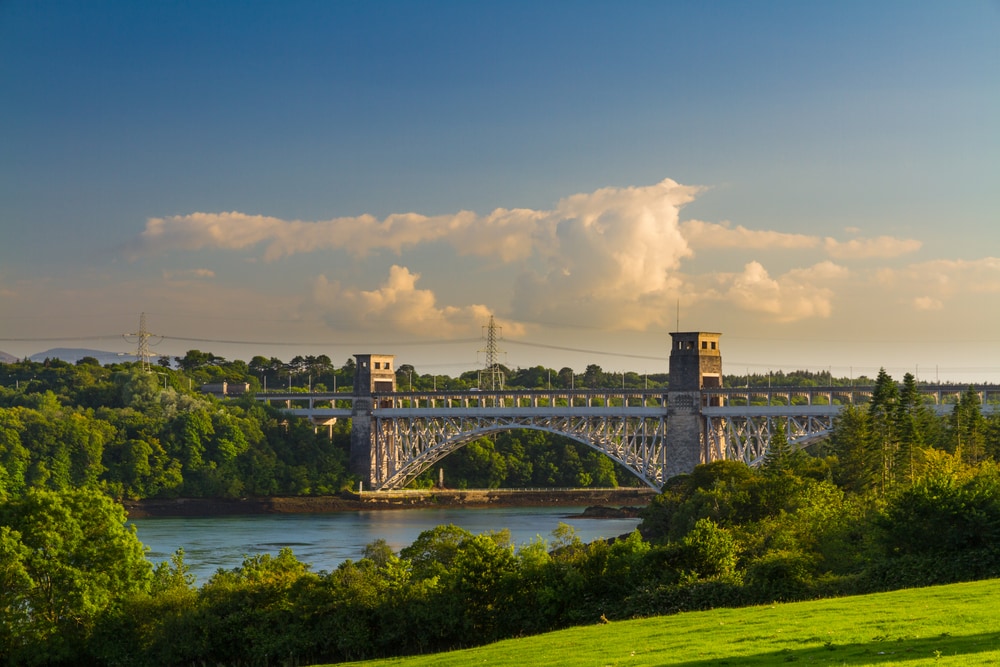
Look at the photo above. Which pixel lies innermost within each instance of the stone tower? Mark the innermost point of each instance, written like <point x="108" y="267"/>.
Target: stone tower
<point x="695" y="363"/>
<point x="373" y="374"/>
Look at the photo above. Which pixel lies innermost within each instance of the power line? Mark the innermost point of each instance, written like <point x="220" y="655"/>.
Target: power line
<point x="407" y="343"/>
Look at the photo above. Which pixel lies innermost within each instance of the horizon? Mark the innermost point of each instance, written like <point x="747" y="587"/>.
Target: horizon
<point x="814" y="180"/>
<point x="931" y="376"/>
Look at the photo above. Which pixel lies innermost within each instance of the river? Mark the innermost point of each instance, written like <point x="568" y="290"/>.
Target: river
<point x="326" y="540"/>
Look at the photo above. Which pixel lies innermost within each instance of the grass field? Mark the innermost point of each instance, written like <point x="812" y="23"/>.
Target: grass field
<point x="944" y="625"/>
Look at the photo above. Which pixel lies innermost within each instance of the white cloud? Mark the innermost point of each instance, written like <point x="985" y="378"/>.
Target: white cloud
<point x="796" y="295"/>
<point x="882" y="247"/>
<point x="188" y="274"/>
<point x="616" y="248"/>
<point x="397" y="305"/>
<point x="927" y="303"/>
<point x="701" y="234"/>
<point x="509" y="234"/>
<point x="360" y="235"/>
<point x="947" y="277"/>
<point x="611" y="258"/>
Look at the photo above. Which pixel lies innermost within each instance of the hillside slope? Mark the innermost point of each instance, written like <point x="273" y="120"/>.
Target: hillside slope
<point x="944" y="625"/>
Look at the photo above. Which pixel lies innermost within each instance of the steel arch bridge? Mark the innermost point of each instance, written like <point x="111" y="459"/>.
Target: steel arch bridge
<point x="405" y="447"/>
<point x="405" y="433"/>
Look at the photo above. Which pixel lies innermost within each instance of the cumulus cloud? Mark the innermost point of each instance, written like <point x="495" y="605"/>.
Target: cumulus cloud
<point x="702" y="234"/>
<point x="360" y="235"/>
<point x="618" y="248"/>
<point x="945" y="277"/>
<point x="795" y="295"/>
<point x="398" y="304"/>
<point x="927" y="303"/>
<point x="188" y="274"/>
<point x="611" y="258"/>
<point x="882" y="247"/>
<point x="507" y="234"/>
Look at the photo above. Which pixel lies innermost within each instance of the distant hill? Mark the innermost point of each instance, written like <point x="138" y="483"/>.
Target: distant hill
<point x="7" y="358"/>
<point x="73" y="355"/>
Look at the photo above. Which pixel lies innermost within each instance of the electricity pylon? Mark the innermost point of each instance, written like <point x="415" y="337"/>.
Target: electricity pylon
<point x="491" y="376"/>
<point x="141" y="339"/>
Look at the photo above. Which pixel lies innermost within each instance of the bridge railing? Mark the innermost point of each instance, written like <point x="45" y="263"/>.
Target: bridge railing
<point x="934" y="395"/>
<point x="522" y="398"/>
<point x="307" y="400"/>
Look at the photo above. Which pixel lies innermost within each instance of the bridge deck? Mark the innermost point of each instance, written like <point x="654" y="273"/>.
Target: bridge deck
<point x="722" y="402"/>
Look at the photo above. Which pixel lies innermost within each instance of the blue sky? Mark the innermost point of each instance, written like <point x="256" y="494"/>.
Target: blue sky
<point x="817" y="181"/>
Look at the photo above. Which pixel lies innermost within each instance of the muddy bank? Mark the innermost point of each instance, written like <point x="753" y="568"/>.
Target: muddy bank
<point x="603" y="502"/>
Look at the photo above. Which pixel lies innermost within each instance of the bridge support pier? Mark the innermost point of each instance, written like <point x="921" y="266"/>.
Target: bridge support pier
<point x="361" y="463"/>
<point x="685" y="436"/>
<point x="695" y="363"/>
<point x="373" y="373"/>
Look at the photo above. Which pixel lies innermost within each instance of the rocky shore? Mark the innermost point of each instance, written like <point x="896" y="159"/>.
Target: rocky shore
<point x="600" y="503"/>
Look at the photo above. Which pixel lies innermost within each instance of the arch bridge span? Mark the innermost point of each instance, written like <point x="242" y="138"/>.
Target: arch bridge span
<point x="654" y="433"/>
<point x="408" y="432"/>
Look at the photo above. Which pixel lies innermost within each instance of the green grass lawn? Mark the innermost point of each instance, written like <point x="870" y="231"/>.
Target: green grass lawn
<point x="943" y="625"/>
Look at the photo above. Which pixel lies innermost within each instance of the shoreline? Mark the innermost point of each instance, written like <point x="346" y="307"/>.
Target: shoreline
<point x="622" y="498"/>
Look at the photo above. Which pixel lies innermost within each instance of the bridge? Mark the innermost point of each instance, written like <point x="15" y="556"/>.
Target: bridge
<point x="654" y="433"/>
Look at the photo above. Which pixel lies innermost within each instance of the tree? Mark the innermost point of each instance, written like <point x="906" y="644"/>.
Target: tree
<point x="779" y="452"/>
<point x="479" y="568"/>
<point x="851" y="443"/>
<point x="883" y="413"/>
<point x="433" y="552"/>
<point x="195" y="359"/>
<point x="593" y="376"/>
<point x="968" y="429"/>
<point x="67" y="557"/>
<point x="914" y="425"/>
<point x="709" y="550"/>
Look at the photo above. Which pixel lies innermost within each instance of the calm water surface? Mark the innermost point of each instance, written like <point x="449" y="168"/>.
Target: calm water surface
<point x="326" y="540"/>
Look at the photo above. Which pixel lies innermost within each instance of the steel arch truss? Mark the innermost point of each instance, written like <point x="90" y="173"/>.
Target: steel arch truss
<point x="404" y="447"/>
<point x="747" y="437"/>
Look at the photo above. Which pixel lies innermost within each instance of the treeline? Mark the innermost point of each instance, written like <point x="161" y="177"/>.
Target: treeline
<point x="142" y="435"/>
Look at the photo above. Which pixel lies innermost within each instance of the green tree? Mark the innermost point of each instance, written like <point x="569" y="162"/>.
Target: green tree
<point x="851" y="442"/>
<point x="883" y="414"/>
<point x="69" y="556"/>
<point x="917" y="426"/>
<point x="14" y="456"/>
<point x="779" y="451"/>
<point x="968" y="429"/>
<point x="434" y="551"/>
<point x="710" y="550"/>
<point x="475" y="579"/>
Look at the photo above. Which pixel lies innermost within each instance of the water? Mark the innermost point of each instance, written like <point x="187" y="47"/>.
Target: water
<point x="326" y="540"/>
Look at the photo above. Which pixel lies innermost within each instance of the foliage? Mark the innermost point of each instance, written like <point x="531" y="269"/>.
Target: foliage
<point x="146" y="439"/>
<point x="66" y="557"/>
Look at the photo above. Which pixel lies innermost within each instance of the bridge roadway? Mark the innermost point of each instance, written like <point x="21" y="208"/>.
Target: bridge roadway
<point x="721" y="402"/>
<point x="414" y="429"/>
